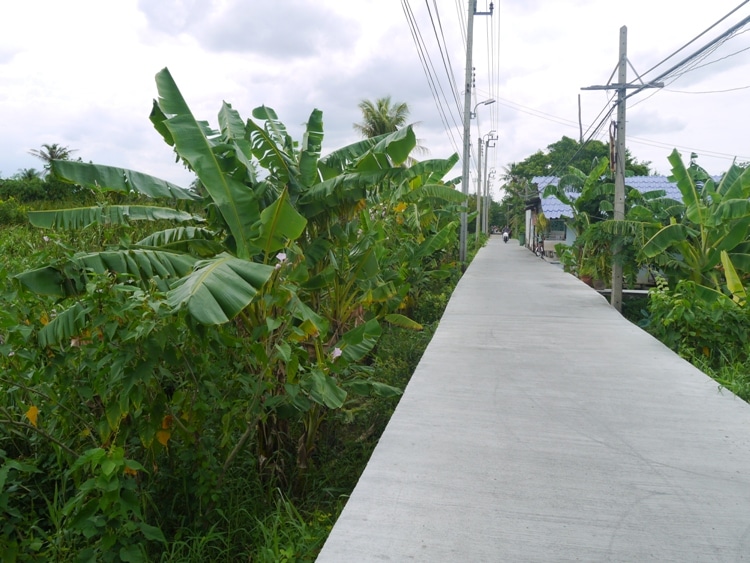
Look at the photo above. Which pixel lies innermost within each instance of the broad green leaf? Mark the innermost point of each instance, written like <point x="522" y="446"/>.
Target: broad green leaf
<point x="131" y="554"/>
<point x="736" y="233"/>
<point x="324" y="390"/>
<point x="47" y="280"/>
<point x="71" y="322"/>
<point x="280" y="224"/>
<point x="81" y="217"/>
<point x="268" y="145"/>
<point x="219" y="289"/>
<point x="193" y="240"/>
<point x="358" y="342"/>
<point x="397" y="145"/>
<point x="741" y="261"/>
<point x="694" y="208"/>
<point x="236" y="202"/>
<point x="336" y="162"/>
<point x="118" y="179"/>
<point x="369" y="388"/>
<point x="438" y="192"/>
<point x="436" y="242"/>
<point x="233" y="133"/>
<point x="312" y="144"/>
<point x="151" y="532"/>
<point x="69" y="278"/>
<point x="734" y="282"/>
<point x="665" y="238"/>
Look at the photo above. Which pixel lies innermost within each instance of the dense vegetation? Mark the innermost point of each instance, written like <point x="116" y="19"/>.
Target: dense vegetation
<point x="698" y="249"/>
<point x="199" y="375"/>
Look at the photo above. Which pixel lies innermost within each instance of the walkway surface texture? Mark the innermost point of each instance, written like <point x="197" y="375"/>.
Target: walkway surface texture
<point x="540" y="425"/>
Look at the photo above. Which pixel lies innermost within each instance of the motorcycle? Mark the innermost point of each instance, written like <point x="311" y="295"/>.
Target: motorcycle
<point x="506" y="236"/>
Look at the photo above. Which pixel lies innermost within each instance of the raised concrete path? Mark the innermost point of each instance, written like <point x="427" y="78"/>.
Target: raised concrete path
<point x="540" y="425"/>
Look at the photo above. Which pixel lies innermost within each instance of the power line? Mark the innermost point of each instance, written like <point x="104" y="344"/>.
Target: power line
<point x="429" y="70"/>
<point x="694" y="39"/>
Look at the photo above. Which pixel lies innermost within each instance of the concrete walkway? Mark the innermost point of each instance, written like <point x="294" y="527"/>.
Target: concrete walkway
<point x="540" y="425"/>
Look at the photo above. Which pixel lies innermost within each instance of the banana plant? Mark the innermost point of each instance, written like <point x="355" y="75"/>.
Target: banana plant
<point x="708" y="244"/>
<point x="284" y="252"/>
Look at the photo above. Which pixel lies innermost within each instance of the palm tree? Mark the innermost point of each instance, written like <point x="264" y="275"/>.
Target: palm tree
<point x="48" y="153"/>
<point x="381" y="116"/>
<point x="27" y="174"/>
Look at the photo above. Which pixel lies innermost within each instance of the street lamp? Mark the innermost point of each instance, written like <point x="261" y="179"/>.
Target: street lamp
<point x="484" y="103"/>
<point x="468" y="116"/>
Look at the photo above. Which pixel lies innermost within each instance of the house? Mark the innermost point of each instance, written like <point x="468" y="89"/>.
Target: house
<point x="555" y="211"/>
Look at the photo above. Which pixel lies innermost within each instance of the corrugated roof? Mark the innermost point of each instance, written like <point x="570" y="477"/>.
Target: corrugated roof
<point x="553" y="208"/>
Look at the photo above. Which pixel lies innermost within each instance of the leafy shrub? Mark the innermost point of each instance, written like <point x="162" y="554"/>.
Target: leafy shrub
<point x="12" y="213"/>
<point x="713" y="332"/>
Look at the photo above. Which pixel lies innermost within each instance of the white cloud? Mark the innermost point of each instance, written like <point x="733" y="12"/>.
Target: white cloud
<point x="81" y="73"/>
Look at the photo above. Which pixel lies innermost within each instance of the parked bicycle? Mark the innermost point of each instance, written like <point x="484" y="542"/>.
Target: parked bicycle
<point x="539" y="249"/>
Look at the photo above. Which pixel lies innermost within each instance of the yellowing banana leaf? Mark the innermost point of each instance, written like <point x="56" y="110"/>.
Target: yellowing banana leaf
<point x="734" y="282"/>
<point x="403" y="321"/>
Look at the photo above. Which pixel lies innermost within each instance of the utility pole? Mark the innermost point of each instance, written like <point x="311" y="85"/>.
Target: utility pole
<point x="619" y="207"/>
<point x="479" y="192"/>
<point x="619" y="203"/>
<point x="467" y="122"/>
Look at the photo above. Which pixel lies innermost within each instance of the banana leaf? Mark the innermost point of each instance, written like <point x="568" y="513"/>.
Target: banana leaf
<point x="193" y="240"/>
<point x="358" y="342"/>
<point x="236" y="202"/>
<point x="118" y="180"/>
<point x="402" y="321"/>
<point x="64" y="326"/>
<point x="435" y="242"/>
<point x="280" y="224"/>
<point x="219" y="289"/>
<point x="734" y="282"/>
<point x="323" y="389"/>
<point x="233" y="133"/>
<point x="437" y="192"/>
<point x="69" y="278"/>
<point x="80" y="217"/>
<point x="312" y="144"/>
<point x="691" y="197"/>
<point x="272" y="146"/>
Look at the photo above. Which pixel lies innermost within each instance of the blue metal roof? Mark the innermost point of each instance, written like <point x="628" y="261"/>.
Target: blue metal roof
<point x="553" y="208"/>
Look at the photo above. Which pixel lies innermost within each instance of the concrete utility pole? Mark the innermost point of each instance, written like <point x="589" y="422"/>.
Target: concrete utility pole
<point x="467" y="122"/>
<point x="619" y="207"/>
<point x="479" y="191"/>
<point x="619" y="203"/>
<point x="487" y="138"/>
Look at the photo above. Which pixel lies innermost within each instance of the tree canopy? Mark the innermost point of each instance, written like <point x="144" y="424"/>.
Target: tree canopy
<point x="569" y="152"/>
<point x="381" y="116"/>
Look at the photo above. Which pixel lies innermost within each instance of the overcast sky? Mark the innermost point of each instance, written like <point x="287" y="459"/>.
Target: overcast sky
<point x="80" y="73"/>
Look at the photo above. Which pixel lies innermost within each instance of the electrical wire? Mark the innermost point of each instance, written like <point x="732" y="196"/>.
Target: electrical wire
<point x="430" y="73"/>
